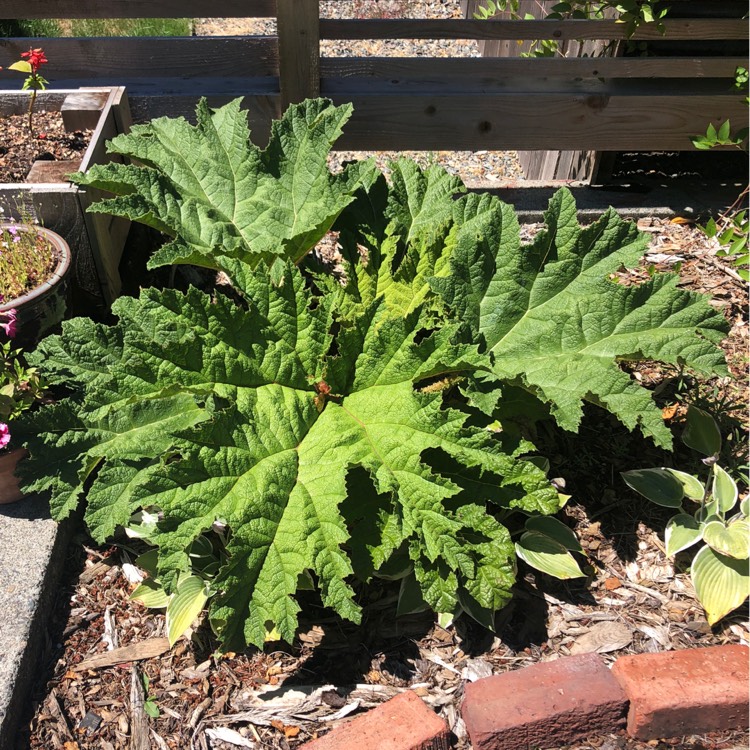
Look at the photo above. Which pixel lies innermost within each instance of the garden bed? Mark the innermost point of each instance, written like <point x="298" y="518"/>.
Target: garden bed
<point x="636" y="602"/>
<point x="44" y="194"/>
<point x="51" y="142"/>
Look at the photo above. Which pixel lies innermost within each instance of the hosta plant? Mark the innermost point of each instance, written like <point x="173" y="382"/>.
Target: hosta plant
<point x="341" y="424"/>
<point x="715" y="518"/>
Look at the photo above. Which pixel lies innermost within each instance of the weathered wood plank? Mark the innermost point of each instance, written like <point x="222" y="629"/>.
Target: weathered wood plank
<point x="117" y="58"/>
<point x="262" y="108"/>
<point x="436" y="70"/>
<point x="299" y="50"/>
<point x="136" y="8"/>
<point x="539" y="121"/>
<point x="195" y="87"/>
<point x="107" y="233"/>
<point x="687" y="28"/>
<point x="456" y="85"/>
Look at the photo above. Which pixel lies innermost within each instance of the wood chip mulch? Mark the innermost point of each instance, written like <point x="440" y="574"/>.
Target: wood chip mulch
<point x="636" y="600"/>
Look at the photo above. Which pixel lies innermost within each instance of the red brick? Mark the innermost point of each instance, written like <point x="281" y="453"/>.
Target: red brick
<point x="675" y="693"/>
<point x="402" y="723"/>
<point x="547" y="704"/>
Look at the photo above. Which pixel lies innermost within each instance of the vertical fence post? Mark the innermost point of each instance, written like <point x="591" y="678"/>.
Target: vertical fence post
<point x="299" y="50"/>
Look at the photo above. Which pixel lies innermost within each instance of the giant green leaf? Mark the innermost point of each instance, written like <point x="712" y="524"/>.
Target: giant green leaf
<point x="215" y="193"/>
<point x="395" y="237"/>
<point x="555" y="322"/>
<point x="257" y="417"/>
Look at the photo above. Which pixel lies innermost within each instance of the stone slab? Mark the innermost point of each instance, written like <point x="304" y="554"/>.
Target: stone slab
<point x="32" y="551"/>
<point x="694" y="691"/>
<point x="544" y="705"/>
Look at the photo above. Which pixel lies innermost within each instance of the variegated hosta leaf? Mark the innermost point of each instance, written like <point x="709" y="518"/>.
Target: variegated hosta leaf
<point x="554" y="321"/>
<point x="731" y="539"/>
<point x="691" y="485"/>
<point x="721" y="583"/>
<point x="660" y="486"/>
<point x="548" y="555"/>
<point x="207" y="411"/>
<point x="724" y="490"/>
<point x="216" y="193"/>
<point x="682" y="531"/>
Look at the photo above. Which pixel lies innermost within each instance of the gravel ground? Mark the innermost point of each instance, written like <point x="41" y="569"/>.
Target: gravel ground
<point x="471" y="166"/>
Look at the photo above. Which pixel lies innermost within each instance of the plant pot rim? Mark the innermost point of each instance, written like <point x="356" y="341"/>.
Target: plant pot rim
<point x="54" y="278"/>
<point x="9" y="489"/>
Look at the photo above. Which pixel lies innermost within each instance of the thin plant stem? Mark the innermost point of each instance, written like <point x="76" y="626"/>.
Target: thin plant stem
<point x="31" y="112"/>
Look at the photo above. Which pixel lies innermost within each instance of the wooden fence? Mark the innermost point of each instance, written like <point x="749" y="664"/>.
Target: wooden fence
<point x="603" y="104"/>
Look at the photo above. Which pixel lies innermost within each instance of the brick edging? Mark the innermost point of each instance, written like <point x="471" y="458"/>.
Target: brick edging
<point x="656" y="696"/>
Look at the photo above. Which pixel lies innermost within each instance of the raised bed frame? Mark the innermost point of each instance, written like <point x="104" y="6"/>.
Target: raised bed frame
<point x="96" y="240"/>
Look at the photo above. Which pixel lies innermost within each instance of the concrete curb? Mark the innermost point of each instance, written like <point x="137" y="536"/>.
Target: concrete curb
<point x="663" y="695"/>
<point x="32" y="553"/>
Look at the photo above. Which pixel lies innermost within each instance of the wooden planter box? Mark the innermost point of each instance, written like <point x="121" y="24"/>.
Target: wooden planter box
<point x="96" y="240"/>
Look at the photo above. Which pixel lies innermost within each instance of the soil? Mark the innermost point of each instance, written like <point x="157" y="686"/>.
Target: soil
<point x="635" y="599"/>
<point x="50" y="142"/>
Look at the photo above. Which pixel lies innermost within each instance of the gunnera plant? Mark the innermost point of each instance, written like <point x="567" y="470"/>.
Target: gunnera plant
<point x="340" y="428"/>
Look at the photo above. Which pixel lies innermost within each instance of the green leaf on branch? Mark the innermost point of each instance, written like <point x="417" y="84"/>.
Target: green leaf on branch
<point x="701" y="433"/>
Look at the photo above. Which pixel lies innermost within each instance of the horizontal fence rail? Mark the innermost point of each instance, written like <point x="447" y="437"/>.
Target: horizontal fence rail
<point x="703" y="28"/>
<point x="588" y="103"/>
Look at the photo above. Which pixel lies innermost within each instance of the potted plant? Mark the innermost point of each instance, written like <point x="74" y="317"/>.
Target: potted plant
<point x="21" y="387"/>
<point x="34" y="264"/>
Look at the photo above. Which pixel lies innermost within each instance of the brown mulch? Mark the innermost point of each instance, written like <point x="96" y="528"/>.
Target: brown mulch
<point x="50" y="142"/>
<point x="636" y="600"/>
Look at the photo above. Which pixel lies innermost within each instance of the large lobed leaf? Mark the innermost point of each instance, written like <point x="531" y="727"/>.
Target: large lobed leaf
<point x="208" y="411"/>
<point x="216" y="193"/>
<point x="554" y="322"/>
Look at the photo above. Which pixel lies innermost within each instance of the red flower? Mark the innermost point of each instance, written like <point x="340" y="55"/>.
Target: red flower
<point x="36" y="58"/>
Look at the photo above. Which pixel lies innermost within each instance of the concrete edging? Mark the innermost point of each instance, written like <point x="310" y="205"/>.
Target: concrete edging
<point x="32" y="553"/>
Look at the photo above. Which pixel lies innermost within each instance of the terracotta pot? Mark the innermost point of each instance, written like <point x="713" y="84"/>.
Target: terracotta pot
<point x="43" y="308"/>
<point x="9" y="492"/>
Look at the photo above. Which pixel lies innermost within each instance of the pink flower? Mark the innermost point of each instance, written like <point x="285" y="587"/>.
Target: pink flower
<point x="10" y="326"/>
<point x="4" y="434"/>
